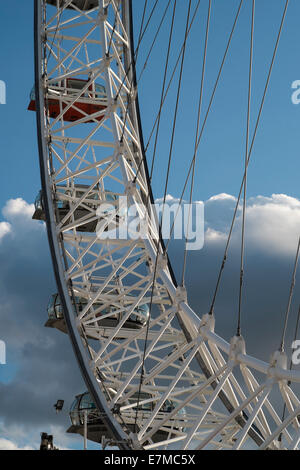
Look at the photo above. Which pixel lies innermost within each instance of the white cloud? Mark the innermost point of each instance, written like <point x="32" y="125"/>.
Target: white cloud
<point x="169" y="200"/>
<point x="5" y="228"/>
<point x="222" y="197"/>
<point x="18" y="214"/>
<point x="214" y="236"/>
<point x="17" y="208"/>
<point x="6" y="444"/>
<point x="272" y="223"/>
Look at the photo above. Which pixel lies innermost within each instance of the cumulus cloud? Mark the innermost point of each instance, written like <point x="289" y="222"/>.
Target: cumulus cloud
<point x="221" y="197"/>
<point x="214" y="236"/>
<point x="272" y="223"/>
<point x="38" y="359"/>
<point x="272" y="232"/>
<point x="5" y="228"/>
<point x="17" y="207"/>
<point x="5" y="444"/>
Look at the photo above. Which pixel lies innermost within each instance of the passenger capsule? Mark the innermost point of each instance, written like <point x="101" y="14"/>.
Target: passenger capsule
<point x="96" y="428"/>
<point x="80" y="4"/>
<point x="56" y="315"/>
<point x="60" y="95"/>
<point x="66" y="197"/>
<point x="84" y="404"/>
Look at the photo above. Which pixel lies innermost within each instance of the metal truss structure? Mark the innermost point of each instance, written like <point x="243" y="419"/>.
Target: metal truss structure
<point x="219" y="397"/>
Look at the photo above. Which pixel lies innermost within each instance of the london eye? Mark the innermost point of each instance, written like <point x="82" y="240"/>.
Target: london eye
<point x="157" y="374"/>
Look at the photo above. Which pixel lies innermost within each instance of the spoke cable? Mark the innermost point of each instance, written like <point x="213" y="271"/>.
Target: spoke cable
<point x="135" y="55"/>
<point x="163" y="97"/>
<point x="165" y="194"/>
<point x="246" y="174"/>
<point x="113" y="30"/>
<point x="287" y="313"/>
<point x="248" y="159"/>
<point x="154" y="41"/>
<point x="196" y="140"/>
<point x="290" y="367"/>
<point x="172" y="75"/>
<point x="206" y="116"/>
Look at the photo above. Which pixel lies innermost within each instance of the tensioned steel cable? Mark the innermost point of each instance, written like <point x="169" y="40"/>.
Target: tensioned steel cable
<point x="155" y="267"/>
<point x="161" y="102"/>
<point x="287" y="313"/>
<point x="165" y="194"/>
<point x="173" y="74"/>
<point x="55" y="33"/>
<point x="207" y="113"/>
<point x="142" y="21"/>
<point x="163" y="96"/>
<point x="114" y="28"/>
<point x="248" y="159"/>
<point x="154" y="41"/>
<point x="175" y="117"/>
<point x="132" y="65"/>
<point x="163" y="91"/>
<point x="135" y="55"/>
<point x="246" y="174"/>
<point x="196" y="139"/>
<point x="291" y="367"/>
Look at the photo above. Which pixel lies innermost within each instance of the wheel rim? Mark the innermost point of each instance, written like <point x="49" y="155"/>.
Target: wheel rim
<point x="185" y="361"/>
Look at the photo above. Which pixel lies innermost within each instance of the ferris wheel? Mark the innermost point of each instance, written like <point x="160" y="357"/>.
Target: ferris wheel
<point x="158" y="376"/>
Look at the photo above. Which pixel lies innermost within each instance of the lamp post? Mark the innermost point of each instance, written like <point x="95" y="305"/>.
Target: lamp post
<point x="85" y="429"/>
<point x="59" y="405"/>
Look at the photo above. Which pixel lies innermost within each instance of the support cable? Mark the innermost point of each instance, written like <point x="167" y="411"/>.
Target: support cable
<point x="135" y="55"/>
<point x="132" y="65"/>
<point x="246" y="174"/>
<point x="248" y="159"/>
<point x="55" y="34"/>
<point x="113" y="30"/>
<point x="206" y="116"/>
<point x="163" y="96"/>
<point x="291" y="367"/>
<point x="287" y="313"/>
<point x="196" y="140"/>
<point x="160" y="226"/>
<point x="154" y="41"/>
<point x="163" y="89"/>
<point x="172" y="75"/>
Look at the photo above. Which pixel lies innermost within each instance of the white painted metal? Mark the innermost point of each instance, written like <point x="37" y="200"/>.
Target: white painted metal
<point x="214" y="387"/>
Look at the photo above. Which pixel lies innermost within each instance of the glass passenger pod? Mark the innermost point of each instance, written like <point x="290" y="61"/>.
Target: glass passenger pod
<point x="85" y="404"/>
<point x="56" y="315"/>
<point x="149" y="405"/>
<point x="91" y="101"/>
<point x="82" y="403"/>
<point x="39" y="212"/>
<point x="137" y="319"/>
<point x="83" y="5"/>
<point x="84" y="211"/>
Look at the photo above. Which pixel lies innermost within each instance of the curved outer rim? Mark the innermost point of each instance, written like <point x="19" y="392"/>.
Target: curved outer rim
<point x="112" y="425"/>
<point x="189" y="321"/>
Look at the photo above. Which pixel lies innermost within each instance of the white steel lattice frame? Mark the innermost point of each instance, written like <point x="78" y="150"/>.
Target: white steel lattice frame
<point x="222" y="396"/>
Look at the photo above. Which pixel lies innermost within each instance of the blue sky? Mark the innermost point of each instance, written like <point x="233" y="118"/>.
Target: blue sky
<point x="274" y="167"/>
<point x="275" y="157"/>
<point x="221" y="153"/>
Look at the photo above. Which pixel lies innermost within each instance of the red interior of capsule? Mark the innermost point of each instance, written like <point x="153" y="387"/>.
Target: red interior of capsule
<point x="96" y="92"/>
